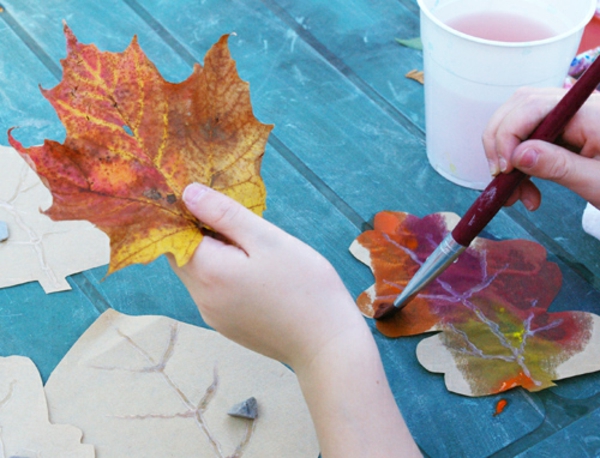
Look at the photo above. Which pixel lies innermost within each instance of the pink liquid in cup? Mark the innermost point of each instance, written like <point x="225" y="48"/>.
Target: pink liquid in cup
<point x="501" y="26"/>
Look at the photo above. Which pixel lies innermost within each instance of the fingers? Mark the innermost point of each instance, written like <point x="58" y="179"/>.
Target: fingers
<point x="529" y="194"/>
<point x="514" y="122"/>
<point x="552" y="162"/>
<point x="497" y="162"/>
<point x="223" y="214"/>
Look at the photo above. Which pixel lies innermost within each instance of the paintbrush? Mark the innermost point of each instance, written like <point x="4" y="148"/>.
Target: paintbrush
<point x="493" y="198"/>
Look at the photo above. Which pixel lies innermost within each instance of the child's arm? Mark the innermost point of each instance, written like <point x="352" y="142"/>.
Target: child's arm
<point x="277" y="296"/>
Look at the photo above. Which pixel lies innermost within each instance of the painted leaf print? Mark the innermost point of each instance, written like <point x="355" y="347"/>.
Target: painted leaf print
<point x="491" y="306"/>
<point x="135" y="141"/>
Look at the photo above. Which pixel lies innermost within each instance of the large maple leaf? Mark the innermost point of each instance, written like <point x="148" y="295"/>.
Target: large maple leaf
<point x="491" y="306"/>
<point x="134" y="141"/>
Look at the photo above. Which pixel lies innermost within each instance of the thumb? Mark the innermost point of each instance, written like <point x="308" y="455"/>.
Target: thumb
<point x="221" y="213"/>
<point x="551" y="162"/>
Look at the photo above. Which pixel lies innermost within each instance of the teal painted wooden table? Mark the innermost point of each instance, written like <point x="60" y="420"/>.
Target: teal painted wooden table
<point x="349" y="142"/>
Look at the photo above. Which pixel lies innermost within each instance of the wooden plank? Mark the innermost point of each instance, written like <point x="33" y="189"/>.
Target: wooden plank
<point x="21" y="104"/>
<point x="581" y="387"/>
<point x="42" y="326"/>
<point x="559" y="219"/>
<point x="569" y="429"/>
<point x="581" y="439"/>
<point x="362" y="34"/>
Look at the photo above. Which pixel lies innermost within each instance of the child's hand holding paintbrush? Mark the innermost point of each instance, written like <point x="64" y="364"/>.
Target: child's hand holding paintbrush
<point x="514" y="121"/>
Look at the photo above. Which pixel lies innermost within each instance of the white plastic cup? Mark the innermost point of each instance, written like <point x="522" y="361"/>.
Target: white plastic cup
<point x="468" y="78"/>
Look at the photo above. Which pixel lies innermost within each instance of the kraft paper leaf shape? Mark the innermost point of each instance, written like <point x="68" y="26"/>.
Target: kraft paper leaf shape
<point x="491" y="306"/>
<point x="38" y="248"/>
<point x="24" y="427"/>
<point x="134" y="141"/>
<point x="149" y="386"/>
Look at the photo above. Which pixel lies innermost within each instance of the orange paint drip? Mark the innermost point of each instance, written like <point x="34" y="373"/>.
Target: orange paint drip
<point x="500" y="406"/>
<point x="519" y="380"/>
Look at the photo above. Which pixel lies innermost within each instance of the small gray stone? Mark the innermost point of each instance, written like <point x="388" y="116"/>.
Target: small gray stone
<point x="247" y="409"/>
<point x="3" y="231"/>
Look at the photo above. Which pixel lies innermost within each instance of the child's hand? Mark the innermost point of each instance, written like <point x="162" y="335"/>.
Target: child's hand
<point x="273" y="294"/>
<point x="516" y="120"/>
<point x="270" y="292"/>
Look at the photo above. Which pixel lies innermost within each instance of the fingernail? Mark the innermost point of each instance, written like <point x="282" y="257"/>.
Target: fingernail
<point x="528" y="158"/>
<point x="494" y="170"/>
<point x="193" y="192"/>
<point x="503" y="164"/>
<point x="528" y="204"/>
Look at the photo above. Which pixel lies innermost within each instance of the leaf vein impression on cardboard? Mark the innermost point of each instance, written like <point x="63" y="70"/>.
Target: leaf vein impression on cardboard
<point x="38" y="248"/>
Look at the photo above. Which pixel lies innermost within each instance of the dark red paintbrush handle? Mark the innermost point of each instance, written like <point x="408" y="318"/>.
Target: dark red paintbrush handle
<point x="500" y="189"/>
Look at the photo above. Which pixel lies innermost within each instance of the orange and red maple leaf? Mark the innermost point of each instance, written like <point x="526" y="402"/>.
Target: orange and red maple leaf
<point x="135" y="141"/>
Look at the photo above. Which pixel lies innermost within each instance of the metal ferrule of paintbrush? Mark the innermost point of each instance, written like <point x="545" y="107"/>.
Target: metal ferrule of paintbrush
<point x="434" y="265"/>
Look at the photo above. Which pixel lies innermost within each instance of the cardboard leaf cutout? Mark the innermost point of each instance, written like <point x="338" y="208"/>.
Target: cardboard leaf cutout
<point x="135" y="141"/>
<point x="491" y="305"/>
<point x="24" y="427"/>
<point x="38" y="248"/>
<point x="150" y="386"/>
